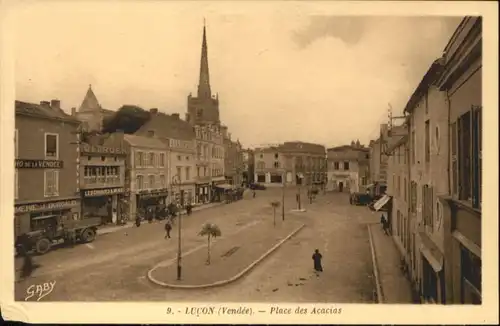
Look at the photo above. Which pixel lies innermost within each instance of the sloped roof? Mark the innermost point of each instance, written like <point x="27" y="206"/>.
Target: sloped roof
<point x="167" y="126"/>
<point x="90" y="102"/>
<point x="41" y="111"/>
<point x="144" y="141"/>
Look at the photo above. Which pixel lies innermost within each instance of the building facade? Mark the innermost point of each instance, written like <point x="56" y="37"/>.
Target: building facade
<point x="102" y="181"/>
<point x="291" y="163"/>
<point x="147" y="172"/>
<point x="462" y="84"/>
<point x="208" y="137"/>
<point x="248" y="173"/>
<point x="378" y="159"/>
<point x="90" y="112"/>
<point x="348" y="168"/>
<point x="233" y="162"/>
<point x="46" y="165"/>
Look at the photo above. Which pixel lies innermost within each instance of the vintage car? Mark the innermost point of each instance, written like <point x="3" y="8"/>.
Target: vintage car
<point x="360" y="198"/>
<point x="51" y="229"/>
<point x="257" y="186"/>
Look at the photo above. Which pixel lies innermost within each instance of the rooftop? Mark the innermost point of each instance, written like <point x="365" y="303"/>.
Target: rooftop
<point x="43" y="111"/>
<point x="167" y="126"/>
<point x="144" y="141"/>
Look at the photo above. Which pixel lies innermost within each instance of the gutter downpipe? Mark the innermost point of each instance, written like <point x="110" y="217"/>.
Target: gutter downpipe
<point x="409" y="157"/>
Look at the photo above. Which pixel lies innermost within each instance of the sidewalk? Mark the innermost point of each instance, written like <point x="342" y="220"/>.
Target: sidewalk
<point x="395" y="287"/>
<point x="115" y="228"/>
<point x="231" y="257"/>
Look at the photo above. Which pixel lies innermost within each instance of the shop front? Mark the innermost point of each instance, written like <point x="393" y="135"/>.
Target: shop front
<point x="106" y="203"/>
<point x="151" y="199"/>
<point x="433" y="286"/>
<point x="218" y="190"/>
<point x="202" y="193"/>
<point x="30" y="216"/>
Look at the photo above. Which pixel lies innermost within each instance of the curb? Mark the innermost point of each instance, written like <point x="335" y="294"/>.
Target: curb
<point x="232" y="279"/>
<point x="380" y="295"/>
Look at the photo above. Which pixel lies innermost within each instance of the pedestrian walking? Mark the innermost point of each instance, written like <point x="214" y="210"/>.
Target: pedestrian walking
<point x="385" y="224"/>
<point x="28" y="266"/>
<point x="168" y="228"/>
<point x="317" y="262"/>
<point x="253" y="193"/>
<point x="137" y="219"/>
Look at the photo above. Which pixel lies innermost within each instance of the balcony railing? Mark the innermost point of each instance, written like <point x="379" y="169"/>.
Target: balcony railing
<point x="102" y="180"/>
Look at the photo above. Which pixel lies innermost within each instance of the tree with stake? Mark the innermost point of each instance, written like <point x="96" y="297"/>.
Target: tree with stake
<point x="210" y="230"/>
<point x="275" y="205"/>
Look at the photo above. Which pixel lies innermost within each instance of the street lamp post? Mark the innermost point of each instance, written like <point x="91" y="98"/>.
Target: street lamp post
<point x="175" y="180"/>
<point x="283" y="200"/>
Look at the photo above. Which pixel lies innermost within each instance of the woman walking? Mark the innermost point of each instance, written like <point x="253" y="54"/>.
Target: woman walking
<point x="317" y="262"/>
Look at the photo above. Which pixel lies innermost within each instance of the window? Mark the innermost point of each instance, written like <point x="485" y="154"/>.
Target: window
<point x="198" y="171"/>
<point x="188" y="173"/>
<point x="179" y="158"/>
<point x="466" y="156"/>
<point x="276" y="156"/>
<point x="16" y="144"/>
<point x="51" y="183"/>
<point x="413" y="147"/>
<point x="151" y="181"/>
<point x="413" y="197"/>
<point x="346" y="166"/>
<point x="179" y="173"/>
<point x="261" y="165"/>
<point x="139" y="159"/>
<point x="276" y="165"/>
<point x="16" y="184"/>
<point x="261" y="156"/>
<point x="140" y="182"/>
<point x="399" y="186"/>
<point x="398" y="151"/>
<point x="162" y="160"/>
<point x="427" y="141"/>
<point x="335" y="165"/>
<point x="151" y="159"/>
<point x="405" y="190"/>
<point x="51" y="146"/>
<point x="428" y="206"/>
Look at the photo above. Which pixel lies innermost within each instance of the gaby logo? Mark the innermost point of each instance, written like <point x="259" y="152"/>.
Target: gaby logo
<point x="38" y="291"/>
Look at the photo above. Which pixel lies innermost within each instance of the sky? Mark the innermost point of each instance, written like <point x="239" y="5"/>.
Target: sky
<point x="282" y="75"/>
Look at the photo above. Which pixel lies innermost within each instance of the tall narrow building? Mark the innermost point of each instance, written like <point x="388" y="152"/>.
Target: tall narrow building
<point x="91" y="113"/>
<point x="204" y="108"/>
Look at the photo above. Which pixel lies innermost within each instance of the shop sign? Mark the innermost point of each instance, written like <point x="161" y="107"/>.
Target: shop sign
<point x="38" y="164"/>
<point x="26" y="208"/>
<point x="154" y="193"/>
<point x="103" y="192"/>
<point x="93" y="149"/>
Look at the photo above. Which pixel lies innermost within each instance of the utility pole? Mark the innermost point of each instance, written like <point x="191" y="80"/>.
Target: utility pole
<point x="283" y="199"/>
<point x="175" y="180"/>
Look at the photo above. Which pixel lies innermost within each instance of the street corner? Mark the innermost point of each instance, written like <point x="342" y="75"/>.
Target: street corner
<point x="228" y="259"/>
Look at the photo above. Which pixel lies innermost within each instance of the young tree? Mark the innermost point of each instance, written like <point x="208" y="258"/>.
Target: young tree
<point x="210" y="230"/>
<point x="275" y="205"/>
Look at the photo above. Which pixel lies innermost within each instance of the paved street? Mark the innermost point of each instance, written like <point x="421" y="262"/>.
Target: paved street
<point x="114" y="267"/>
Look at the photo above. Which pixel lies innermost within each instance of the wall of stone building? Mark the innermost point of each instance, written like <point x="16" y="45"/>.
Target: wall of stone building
<point x="31" y="145"/>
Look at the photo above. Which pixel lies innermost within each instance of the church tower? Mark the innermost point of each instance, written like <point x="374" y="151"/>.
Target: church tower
<point x="204" y="108"/>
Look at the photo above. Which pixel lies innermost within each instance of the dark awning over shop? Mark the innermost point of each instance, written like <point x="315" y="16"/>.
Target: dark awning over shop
<point x="381" y="202"/>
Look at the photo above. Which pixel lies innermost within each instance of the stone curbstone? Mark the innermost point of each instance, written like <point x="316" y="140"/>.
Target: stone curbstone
<point x="227" y="281"/>
<point x="378" y="286"/>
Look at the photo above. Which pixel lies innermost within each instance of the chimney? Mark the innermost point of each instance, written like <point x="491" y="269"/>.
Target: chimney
<point x="176" y="116"/>
<point x="73" y="111"/>
<point x="55" y="104"/>
<point x="153" y="111"/>
<point x="151" y="133"/>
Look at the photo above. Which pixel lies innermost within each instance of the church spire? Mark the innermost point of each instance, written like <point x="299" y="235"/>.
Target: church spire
<point x="204" y="83"/>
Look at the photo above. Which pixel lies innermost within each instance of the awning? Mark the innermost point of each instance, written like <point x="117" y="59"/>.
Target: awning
<point x="224" y="186"/>
<point x="43" y="217"/>
<point x="381" y="202"/>
<point x="431" y="252"/>
<point x="218" y="178"/>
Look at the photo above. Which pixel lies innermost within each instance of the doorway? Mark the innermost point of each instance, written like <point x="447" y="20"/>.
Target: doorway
<point x="341" y="186"/>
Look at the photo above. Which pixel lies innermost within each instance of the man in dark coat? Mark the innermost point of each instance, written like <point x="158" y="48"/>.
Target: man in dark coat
<point x="168" y="228"/>
<point x="317" y="261"/>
